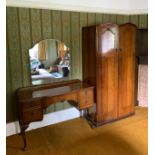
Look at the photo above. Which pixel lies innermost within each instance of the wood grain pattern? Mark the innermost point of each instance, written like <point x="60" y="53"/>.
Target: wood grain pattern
<point x="107" y="77"/>
<point x="127" y="39"/>
<point x="114" y="69"/>
<point x="88" y="55"/>
<point x="101" y="73"/>
<point x="107" y="90"/>
<point x="126" y="80"/>
<point x="33" y="100"/>
<point x="126" y="85"/>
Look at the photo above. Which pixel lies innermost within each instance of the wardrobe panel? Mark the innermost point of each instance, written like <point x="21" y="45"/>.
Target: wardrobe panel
<point x="88" y="55"/>
<point x="107" y="69"/>
<point x="126" y="69"/>
<point x="107" y="89"/>
<point x="127" y="39"/>
<point x="126" y="86"/>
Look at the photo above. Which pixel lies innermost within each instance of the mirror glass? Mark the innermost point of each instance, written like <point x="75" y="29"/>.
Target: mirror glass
<point x="107" y="41"/>
<point x="49" y="61"/>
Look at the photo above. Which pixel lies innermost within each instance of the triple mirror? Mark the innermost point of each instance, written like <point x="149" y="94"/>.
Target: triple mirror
<point x="49" y="61"/>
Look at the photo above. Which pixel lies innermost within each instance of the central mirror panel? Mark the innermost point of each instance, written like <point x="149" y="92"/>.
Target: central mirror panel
<point x="49" y="62"/>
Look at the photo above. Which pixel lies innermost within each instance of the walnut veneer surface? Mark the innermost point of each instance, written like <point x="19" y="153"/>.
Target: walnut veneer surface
<point x="109" y="65"/>
<point x="34" y="99"/>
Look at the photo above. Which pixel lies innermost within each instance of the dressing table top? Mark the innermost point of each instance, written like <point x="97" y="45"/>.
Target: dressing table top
<point x="32" y="92"/>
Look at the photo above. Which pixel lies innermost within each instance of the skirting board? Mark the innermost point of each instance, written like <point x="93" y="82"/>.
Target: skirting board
<point x="51" y="118"/>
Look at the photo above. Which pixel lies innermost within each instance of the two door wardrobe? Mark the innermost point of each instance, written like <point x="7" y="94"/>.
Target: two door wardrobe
<point x="109" y="59"/>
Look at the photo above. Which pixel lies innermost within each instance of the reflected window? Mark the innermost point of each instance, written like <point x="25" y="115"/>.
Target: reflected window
<point x="33" y="53"/>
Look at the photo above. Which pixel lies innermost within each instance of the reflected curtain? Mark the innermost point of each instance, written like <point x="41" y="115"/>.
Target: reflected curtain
<point x="43" y="50"/>
<point x="61" y="50"/>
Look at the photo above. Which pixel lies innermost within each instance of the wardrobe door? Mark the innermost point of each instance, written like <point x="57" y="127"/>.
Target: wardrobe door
<point x="107" y="72"/>
<point x="126" y="70"/>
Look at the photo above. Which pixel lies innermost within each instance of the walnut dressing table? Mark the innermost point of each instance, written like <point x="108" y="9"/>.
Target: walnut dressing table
<point x="34" y="99"/>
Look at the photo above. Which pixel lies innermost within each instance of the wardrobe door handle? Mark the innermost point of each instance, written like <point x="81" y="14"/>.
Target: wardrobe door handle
<point x="120" y="50"/>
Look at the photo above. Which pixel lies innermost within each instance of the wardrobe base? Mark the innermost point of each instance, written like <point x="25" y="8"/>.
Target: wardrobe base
<point x="94" y="123"/>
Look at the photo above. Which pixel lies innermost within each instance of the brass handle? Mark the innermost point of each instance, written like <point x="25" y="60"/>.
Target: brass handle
<point x="120" y="49"/>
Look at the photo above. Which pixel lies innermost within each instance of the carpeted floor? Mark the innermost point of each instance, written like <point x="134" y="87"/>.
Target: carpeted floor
<point x="75" y="137"/>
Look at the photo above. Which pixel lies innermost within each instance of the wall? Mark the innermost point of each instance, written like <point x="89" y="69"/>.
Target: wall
<point x="27" y="26"/>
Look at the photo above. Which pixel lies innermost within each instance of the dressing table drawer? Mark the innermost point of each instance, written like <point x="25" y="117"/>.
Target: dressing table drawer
<point x="85" y="98"/>
<point x="31" y="104"/>
<point x="60" y="98"/>
<point x="71" y="96"/>
<point x="32" y="115"/>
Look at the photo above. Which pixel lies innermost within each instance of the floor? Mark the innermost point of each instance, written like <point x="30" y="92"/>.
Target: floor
<point x="75" y="137"/>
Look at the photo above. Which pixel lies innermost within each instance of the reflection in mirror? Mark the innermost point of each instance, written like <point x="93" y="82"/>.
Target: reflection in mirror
<point x="109" y="40"/>
<point x="49" y="61"/>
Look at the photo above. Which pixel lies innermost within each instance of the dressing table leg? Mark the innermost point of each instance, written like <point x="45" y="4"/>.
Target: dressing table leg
<point x="23" y="128"/>
<point x="24" y="139"/>
<point x="81" y="113"/>
<point x="84" y="112"/>
<point x="87" y="111"/>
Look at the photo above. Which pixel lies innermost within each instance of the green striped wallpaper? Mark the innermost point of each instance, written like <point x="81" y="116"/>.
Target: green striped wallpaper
<point x="26" y="26"/>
